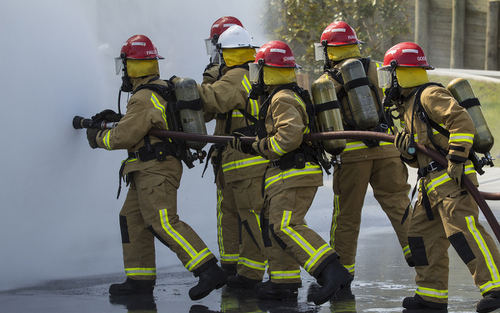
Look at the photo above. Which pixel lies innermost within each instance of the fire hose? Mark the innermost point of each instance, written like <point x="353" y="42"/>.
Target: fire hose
<point x="479" y="196"/>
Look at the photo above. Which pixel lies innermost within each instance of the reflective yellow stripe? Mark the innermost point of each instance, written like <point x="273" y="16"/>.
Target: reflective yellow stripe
<point x="336" y="210"/>
<point x="140" y="271"/>
<point x="302" y="104"/>
<point x="349" y="268"/>
<point x="307" y="170"/>
<point x="355" y="145"/>
<point x="220" y="238"/>
<point x="203" y="254"/>
<point x="433" y="293"/>
<point x="488" y="258"/>
<point x="438" y="181"/>
<point x="105" y="140"/>
<point x="385" y="143"/>
<point x="243" y="163"/>
<point x="275" y="147"/>
<point x="254" y="105"/>
<point x="317" y="256"/>
<point x="175" y="235"/>
<point x="229" y="257"/>
<point x="261" y="266"/>
<point x="461" y="137"/>
<point x="285" y="274"/>
<point x="415" y="137"/>
<point x="469" y="169"/>
<point x="160" y="107"/>
<point x="488" y="286"/>
<point x="257" y="216"/>
<point x="406" y="250"/>
<point x="236" y="114"/>
<point x="301" y="241"/>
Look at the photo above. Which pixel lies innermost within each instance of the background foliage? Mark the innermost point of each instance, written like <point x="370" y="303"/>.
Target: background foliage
<point x="301" y="22"/>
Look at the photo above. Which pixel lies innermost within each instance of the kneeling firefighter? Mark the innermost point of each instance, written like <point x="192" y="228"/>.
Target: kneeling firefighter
<point x="291" y="180"/>
<point x="240" y="173"/>
<point x="445" y="212"/>
<point x="153" y="170"/>
<point x="362" y="162"/>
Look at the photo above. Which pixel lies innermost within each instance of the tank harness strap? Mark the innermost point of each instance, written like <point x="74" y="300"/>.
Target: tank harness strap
<point x="468" y="103"/>
<point x="318" y="108"/>
<point x="355" y="83"/>
<point x="191" y="105"/>
<point x="217" y="159"/>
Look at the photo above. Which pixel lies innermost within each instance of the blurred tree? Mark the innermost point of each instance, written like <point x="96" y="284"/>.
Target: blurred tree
<point x="301" y="22"/>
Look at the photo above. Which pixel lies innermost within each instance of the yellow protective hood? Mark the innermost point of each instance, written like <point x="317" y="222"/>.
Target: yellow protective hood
<point x="339" y="53"/>
<point x="411" y="76"/>
<point x="279" y="75"/>
<point x="238" y="56"/>
<point x="140" y="68"/>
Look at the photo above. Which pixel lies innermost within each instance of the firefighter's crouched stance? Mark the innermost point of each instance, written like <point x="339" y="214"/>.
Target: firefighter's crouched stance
<point x="154" y="171"/>
<point x="291" y="181"/>
<point x="445" y="212"/>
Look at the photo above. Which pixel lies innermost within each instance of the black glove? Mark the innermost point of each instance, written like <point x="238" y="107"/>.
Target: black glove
<point x="91" y="137"/>
<point x="455" y="171"/>
<point x="107" y="115"/>
<point x="402" y="142"/>
<point x="238" y="144"/>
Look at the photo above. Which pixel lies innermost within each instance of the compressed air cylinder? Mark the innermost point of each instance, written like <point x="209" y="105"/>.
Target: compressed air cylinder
<point x="190" y="110"/>
<point x="462" y="91"/>
<point x="362" y="104"/>
<point x="330" y="119"/>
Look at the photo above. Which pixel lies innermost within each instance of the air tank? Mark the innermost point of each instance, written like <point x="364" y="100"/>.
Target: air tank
<point x="462" y="91"/>
<point x="323" y="92"/>
<point x="362" y="105"/>
<point x="190" y="110"/>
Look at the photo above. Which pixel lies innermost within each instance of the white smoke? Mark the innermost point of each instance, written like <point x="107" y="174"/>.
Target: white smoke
<point x="59" y="212"/>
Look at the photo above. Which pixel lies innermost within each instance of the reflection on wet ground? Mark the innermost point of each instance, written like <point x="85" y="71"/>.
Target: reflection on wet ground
<point x="382" y="281"/>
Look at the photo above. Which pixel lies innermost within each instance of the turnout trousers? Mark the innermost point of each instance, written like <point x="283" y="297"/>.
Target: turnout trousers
<point x="249" y="202"/>
<point x="150" y="210"/>
<point x="290" y="243"/>
<point x="455" y="221"/>
<point x="388" y="178"/>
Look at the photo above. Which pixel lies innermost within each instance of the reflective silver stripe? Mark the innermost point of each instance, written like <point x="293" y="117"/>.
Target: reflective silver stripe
<point x="302" y="242"/>
<point x="229" y="257"/>
<point x="406" y="250"/>
<point x="350" y="268"/>
<point x="175" y="235"/>
<point x="434" y="293"/>
<point x="285" y="274"/>
<point x="438" y="181"/>
<point x="495" y="276"/>
<point x="198" y="258"/>
<point x="314" y="259"/>
<point x="488" y="286"/>
<point x="243" y="163"/>
<point x="137" y="271"/>
<point x="252" y="264"/>
<point x="308" y="169"/>
<point x="355" y="145"/>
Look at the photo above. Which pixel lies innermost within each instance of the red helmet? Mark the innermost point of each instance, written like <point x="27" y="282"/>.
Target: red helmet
<point x="139" y="47"/>
<point x="223" y="23"/>
<point x="277" y="54"/>
<point x="406" y="54"/>
<point x="339" y="34"/>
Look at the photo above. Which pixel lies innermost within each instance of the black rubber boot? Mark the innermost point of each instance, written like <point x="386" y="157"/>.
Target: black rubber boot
<point x="230" y="269"/>
<point x="416" y="304"/>
<point x="272" y="291"/>
<point x="333" y="276"/>
<point x="211" y="277"/>
<point x="132" y="287"/>
<point x="490" y="302"/>
<point x="343" y="294"/>
<point x="241" y="282"/>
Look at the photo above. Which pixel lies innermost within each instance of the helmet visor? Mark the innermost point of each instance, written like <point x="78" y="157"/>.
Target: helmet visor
<point x="254" y="70"/>
<point x="319" y="51"/>
<point x="118" y="65"/>
<point x="384" y="77"/>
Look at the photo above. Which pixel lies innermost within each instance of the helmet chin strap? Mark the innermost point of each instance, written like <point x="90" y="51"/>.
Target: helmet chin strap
<point x="393" y="93"/>
<point x="328" y="62"/>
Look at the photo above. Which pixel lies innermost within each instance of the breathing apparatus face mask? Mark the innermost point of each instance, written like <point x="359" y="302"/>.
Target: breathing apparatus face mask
<point x="121" y="66"/>
<point x="388" y="81"/>
<point x="256" y="79"/>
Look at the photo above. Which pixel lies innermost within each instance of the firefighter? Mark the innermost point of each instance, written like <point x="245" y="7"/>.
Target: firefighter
<point x="445" y="212"/>
<point x="291" y="181"/>
<point x="240" y="173"/>
<point x="154" y="172"/>
<point x="227" y="213"/>
<point x="362" y="162"/>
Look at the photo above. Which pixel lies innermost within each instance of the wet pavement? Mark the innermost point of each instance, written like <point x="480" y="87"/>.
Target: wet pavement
<point x="382" y="279"/>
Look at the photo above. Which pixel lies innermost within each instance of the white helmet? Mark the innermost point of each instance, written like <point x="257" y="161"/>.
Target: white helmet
<point x="235" y="37"/>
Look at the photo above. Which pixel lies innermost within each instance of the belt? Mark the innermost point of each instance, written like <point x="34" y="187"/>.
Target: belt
<point x="431" y="167"/>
